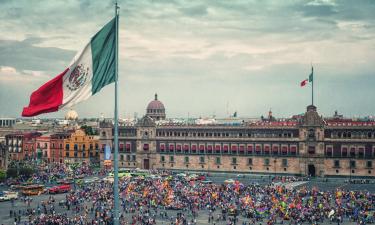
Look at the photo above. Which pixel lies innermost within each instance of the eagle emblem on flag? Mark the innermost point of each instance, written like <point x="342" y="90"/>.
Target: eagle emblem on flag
<point x="77" y="77"/>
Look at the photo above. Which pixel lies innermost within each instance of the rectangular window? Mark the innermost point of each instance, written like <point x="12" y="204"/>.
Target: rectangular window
<point x="186" y="159"/>
<point x="258" y="149"/>
<point x="266" y="162"/>
<point x="171" y="158"/>
<point x="329" y="151"/>
<point x="218" y="160"/>
<point x="162" y="158"/>
<point x="285" y="162"/>
<point x="250" y="161"/>
<point x="369" y="164"/>
<point x="127" y="157"/>
<point x="201" y="159"/>
<point x="361" y="152"/>
<point x="336" y="163"/>
<point x="266" y="149"/>
<point x="122" y="157"/>
<point x="134" y="157"/>
<point x="352" y="164"/>
<point x="293" y="150"/>
<point x="311" y="150"/>
<point x="275" y="150"/>
<point x="217" y="149"/>
<point x="249" y="149"/>
<point x="201" y="149"/>
<point x="234" y="160"/>
<point x="344" y="151"/>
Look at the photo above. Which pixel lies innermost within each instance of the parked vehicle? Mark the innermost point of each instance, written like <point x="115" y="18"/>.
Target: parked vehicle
<point x="59" y="189"/>
<point x="36" y="189"/>
<point x="8" y="195"/>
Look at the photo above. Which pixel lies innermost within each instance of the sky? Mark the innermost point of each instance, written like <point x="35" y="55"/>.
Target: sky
<point x="203" y="58"/>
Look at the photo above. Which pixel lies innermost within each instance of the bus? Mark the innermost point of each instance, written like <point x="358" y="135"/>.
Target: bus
<point x="35" y="189"/>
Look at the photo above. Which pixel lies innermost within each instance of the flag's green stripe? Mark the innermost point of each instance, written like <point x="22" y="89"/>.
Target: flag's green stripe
<point x="103" y="47"/>
<point x="311" y="77"/>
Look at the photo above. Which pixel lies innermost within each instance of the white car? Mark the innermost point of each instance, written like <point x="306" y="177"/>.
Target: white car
<point x="8" y="195"/>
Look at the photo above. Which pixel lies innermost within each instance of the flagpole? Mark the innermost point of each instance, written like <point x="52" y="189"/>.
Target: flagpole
<point x="312" y="86"/>
<point x="115" y="157"/>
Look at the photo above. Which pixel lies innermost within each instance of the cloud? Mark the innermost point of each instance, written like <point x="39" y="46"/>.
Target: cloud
<point x="251" y="54"/>
<point x="10" y="74"/>
<point x="24" y="55"/>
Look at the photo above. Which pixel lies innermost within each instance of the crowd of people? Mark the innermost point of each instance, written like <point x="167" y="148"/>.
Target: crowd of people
<point x="168" y="199"/>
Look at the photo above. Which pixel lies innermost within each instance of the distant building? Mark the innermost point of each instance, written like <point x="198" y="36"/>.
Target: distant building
<point x="304" y="145"/>
<point x="57" y="146"/>
<point x="43" y="148"/>
<point x="7" y="122"/>
<point x="80" y="147"/>
<point x="3" y="156"/>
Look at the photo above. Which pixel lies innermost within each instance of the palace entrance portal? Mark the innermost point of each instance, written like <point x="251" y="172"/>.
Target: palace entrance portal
<point x="146" y="164"/>
<point x="311" y="170"/>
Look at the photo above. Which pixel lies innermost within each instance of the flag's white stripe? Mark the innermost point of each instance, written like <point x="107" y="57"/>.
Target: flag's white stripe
<point x="71" y="94"/>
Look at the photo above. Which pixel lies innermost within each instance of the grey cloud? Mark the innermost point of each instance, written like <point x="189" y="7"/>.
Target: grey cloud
<point x="317" y="10"/>
<point x="23" y="55"/>
<point x="199" y="10"/>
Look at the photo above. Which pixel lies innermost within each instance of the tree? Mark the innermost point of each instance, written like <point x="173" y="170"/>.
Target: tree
<point x="88" y="130"/>
<point x="12" y="172"/>
<point x="3" y="175"/>
<point x="26" y="171"/>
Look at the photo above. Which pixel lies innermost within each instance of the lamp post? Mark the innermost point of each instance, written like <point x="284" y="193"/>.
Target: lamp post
<point x="274" y="163"/>
<point x="350" y="172"/>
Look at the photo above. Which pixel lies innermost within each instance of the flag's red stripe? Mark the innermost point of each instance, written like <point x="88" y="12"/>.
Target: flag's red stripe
<point x="47" y="98"/>
<point x="303" y="83"/>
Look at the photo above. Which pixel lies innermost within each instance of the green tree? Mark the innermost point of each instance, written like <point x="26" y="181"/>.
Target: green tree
<point x="88" y="130"/>
<point x="26" y="171"/>
<point x="12" y="172"/>
<point x="3" y="175"/>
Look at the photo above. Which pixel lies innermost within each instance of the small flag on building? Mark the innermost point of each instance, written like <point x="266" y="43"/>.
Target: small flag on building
<point x="90" y="70"/>
<point x="309" y="79"/>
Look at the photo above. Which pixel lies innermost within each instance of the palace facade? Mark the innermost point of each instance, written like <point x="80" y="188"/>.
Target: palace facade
<point x="305" y="145"/>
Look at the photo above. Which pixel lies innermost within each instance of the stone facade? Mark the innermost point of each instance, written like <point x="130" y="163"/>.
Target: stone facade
<point x="310" y="145"/>
<point x="80" y="147"/>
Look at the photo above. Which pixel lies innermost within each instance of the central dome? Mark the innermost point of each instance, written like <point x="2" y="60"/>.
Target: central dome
<point x="155" y="109"/>
<point x="155" y="104"/>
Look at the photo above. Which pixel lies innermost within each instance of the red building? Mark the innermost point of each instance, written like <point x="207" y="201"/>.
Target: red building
<point x="29" y="145"/>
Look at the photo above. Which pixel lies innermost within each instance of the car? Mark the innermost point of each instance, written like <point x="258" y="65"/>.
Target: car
<point x="8" y="195"/>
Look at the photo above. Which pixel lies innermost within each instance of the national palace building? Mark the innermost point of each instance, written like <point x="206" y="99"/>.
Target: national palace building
<point x="308" y="144"/>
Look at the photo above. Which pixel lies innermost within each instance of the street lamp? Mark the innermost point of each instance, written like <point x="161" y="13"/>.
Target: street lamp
<point x="350" y="173"/>
<point x="274" y="162"/>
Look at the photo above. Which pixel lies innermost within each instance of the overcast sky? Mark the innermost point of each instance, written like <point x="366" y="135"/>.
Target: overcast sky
<point x="202" y="57"/>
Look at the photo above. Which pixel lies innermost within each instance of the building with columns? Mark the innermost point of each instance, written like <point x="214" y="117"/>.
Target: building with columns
<point x="7" y="122"/>
<point x="305" y="145"/>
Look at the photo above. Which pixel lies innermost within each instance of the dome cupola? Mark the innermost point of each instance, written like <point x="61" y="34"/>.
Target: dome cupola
<point x="155" y="109"/>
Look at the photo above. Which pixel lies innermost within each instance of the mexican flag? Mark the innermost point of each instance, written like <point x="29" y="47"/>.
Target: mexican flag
<point x="309" y="79"/>
<point x="89" y="71"/>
